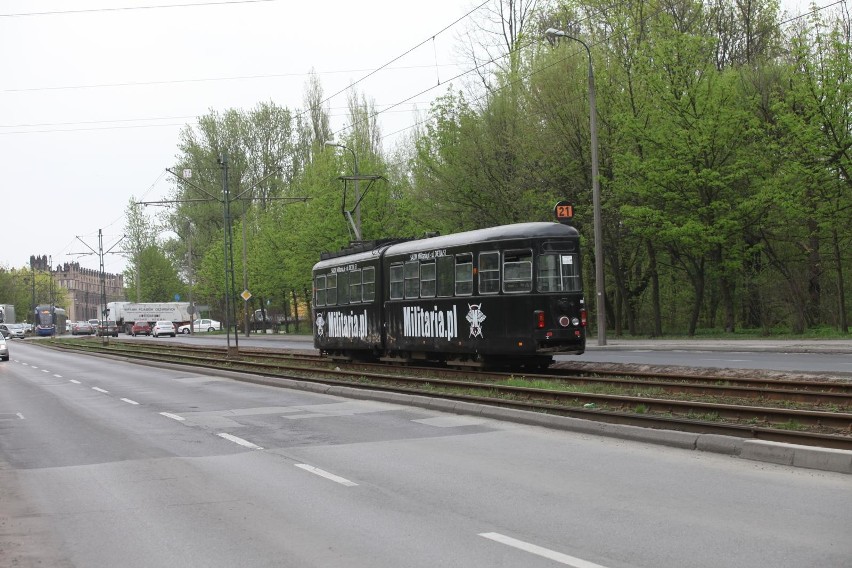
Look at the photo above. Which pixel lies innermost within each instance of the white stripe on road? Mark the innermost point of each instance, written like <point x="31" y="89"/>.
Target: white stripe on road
<point x="100" y="390"/>
<point x="45" y="371"/>
<point x="21" y="416"/>
<point x="128" y="401"/>
<point x="75" y="382"/>
<point x="173" y="416"/>
<point x="327" y="475"/>
<point x="57" y="376"/>
<point x="540" y="551"/>
<point x="239" y="441"/>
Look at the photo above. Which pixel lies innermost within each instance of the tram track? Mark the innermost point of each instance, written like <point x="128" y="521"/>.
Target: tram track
<point x="813" y="413"/>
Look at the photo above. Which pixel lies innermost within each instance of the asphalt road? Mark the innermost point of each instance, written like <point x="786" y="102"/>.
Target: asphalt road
<point x="108" y="463"/>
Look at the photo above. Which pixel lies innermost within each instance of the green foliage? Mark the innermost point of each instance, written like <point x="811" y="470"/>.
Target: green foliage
<point x="723" y="151"/>
<point x="156" y="276"/>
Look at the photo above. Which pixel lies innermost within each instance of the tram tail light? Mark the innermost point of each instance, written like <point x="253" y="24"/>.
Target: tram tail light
<point x="583" y="319"/>
<point x="539" y="319"/>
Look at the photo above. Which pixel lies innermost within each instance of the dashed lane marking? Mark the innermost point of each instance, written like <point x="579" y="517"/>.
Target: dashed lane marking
<point x="327" y="475"/>
<point x="128" y="401"/>
<point x="100" y="390"/>
<point x="76" y="382"/>
<point x="173" y="416"/>
<point x="541" y="551"/>
<point x="239" y="441"/>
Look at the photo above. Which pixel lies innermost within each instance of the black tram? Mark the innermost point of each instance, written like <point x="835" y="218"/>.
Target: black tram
<point x="504" y="296"/>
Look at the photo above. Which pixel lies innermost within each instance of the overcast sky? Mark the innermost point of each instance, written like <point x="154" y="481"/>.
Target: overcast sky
<point x="93" y="95"/>
<point x="92" y="98"/>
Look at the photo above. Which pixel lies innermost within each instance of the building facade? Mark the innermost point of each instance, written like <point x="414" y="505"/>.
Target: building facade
<point x="83" y="286"/>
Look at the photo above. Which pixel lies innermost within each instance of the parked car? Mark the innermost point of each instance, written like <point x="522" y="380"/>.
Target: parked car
<point x="82" y="328"/>
<point x="13" y="330"/>
<point x="95" y="323"/>
<point x="163" y="328"/>
<point x="202" y="325"/>
<point x="108" y="327"/>
<point x="140" y="328"/>
<point x="4" y="349"/>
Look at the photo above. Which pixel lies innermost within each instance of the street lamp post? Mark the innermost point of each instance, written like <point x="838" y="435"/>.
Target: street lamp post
<point x="551" y="34"/>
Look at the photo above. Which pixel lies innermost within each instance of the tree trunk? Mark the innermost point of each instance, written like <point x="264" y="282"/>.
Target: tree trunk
<point x="655" y="291"/>
<point x="698" y="283"/>
<point x="843" y="323"/>
<point x="814" y="298"/>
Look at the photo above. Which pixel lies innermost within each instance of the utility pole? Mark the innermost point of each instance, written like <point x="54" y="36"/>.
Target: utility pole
<point x="230" y="316"/>
<point x="190" y="276"/>
<point x="227" y="241"/>
<point x="100" y="252"/>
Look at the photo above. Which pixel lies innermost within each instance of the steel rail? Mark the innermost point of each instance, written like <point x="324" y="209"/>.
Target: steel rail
<point x="633" y="409"/>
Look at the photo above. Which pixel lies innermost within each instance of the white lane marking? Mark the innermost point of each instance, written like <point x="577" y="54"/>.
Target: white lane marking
<point x="45" y="371"/>
<point x="128" y="401"/>
<point x="541" y="551"/>
<point x="57" y="376"/>
<point x="239" y="441"/>
<point x="173" y="416"/>
<point x="100" y="390"/>
<point x="76" y="382"/>
<point x="327" y="475"/>
<point x="21" y="416"/>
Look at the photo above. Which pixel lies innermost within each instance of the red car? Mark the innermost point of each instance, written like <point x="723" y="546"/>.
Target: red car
<point x="140" y="328"/>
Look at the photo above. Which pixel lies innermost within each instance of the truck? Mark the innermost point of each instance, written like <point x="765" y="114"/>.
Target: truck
<point x="7" y="313"/>
<point x="125" y="314"/>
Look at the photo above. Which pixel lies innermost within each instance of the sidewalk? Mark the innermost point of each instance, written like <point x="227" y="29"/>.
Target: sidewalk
<point x="727" y="345"/>
<point x="630" y="344"/>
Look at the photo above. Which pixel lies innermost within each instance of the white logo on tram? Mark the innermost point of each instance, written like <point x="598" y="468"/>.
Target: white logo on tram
<point x="320" y="324"/>
<point x="475" y="317"/>
<point x="343" y="325"/>
<point x="417" y="322"/>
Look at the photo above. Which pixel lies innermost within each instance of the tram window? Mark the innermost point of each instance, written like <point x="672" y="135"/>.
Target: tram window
<point x="342" y="288"/>
<point x="559" y="246"/>
<point x="517" y="271"/>
<point x="558" y="273"/>
<point x="368" y="277"/>
<point x="412" y="279"/>
<point x="570" y="273"/>
<point x="427" y="280"/>
<point x="355" y="287"/>
<point x="396" y="281"/>
<point x="489" y="272"/>
<point x="320" y="286"/>
<point x="445" y="276"/>
<point x="331" y="289"/>
<point x="464" y="275"/>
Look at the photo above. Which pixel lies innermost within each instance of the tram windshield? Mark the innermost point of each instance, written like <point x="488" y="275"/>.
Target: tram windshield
<point x="558" y="272"/>
<point x="44" y="318"/>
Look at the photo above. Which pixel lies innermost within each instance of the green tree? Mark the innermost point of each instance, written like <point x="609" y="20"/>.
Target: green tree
<point x="158" y="278"/>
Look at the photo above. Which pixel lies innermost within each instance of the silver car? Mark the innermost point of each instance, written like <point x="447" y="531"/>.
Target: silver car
<point x="4" y="349"/>
<point x="13" y="330"/>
